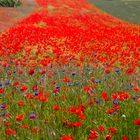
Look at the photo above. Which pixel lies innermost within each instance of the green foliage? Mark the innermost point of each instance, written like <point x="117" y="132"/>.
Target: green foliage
<point x="10" y="3"/>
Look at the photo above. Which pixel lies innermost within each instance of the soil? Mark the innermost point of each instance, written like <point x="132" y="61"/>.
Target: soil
<point x="10" y="16"/>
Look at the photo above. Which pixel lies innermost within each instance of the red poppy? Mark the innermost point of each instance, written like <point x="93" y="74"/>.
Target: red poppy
<point x="10" y="132"/>
<point x="108" y="137"/>
<point x="23" y="88"/>
<point x="101" y="128"/>
<point x="20" y="117"/>
<point x="67" y="138"/>
<point x="93" y="134"/>
<point x="77" y="124"/>
<point x="137" y="122"/>
<point x="112" y="130"/>
<point x="56" y="108"/>
<point x="124" y="137"/>
<point x="21" y="103"/>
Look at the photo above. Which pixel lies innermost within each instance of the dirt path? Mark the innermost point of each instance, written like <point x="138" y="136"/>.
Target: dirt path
<point x="10" y="16"/>
<point x="128" y="10"/>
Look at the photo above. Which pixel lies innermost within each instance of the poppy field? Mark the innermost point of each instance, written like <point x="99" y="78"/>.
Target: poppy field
<point x="69" y="71"/>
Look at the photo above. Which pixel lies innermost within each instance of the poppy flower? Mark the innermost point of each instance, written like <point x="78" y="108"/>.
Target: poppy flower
<point x="93" y="134"/>
<point x="31" y="72"/>
<point x="108" y="137"/>
<point x="23" y="88"/>
<point x="77" y="124"/>
<point x="20" y="103"/>
<point x="101" y="128"/>
<point x="112" y="130"/>
<point x="137" y="122"/>
<point x="124" y="137"/>
<point x="56" y="108"/>
<point x="82" y="117"/>
<point x="20" y="117"/>
<point x="67" y="138"/>
<point x="10" y="132"/>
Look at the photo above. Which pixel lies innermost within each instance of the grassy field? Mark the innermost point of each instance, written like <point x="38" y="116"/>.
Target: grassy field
<point x="128" y="10"/>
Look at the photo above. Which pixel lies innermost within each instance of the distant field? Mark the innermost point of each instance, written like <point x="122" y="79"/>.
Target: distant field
<point x="128" y="10"/>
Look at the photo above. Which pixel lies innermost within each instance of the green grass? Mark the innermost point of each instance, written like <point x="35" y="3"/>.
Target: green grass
<point x="10" y="3"/>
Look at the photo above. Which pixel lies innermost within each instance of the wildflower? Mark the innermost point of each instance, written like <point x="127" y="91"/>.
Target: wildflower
<point x="3" y="107"/>
<point x="124" y="137"/>
<point x="20" y="103"/>
<point x="32" y="116"/>
<point x="97" y="81"/>
<point x="115" y="102"/>
<point x="55" y="91"/>
<point x="20" y="117"/>
<point x="25" y="126"/>
<point x="137" y="122"/>
<point x="56" y="108"/>
<point x="112" y="130"/>
<point x="73" y="73"/>
<point x="87" y="88"/>
<point x="107" y="71"/>
<point x="117" y="70"/>
<point x="108" y="137"/>
<point x="77" y="124"/>
<point x="29" y="96"/>
<point x="104" y="95"/>
<point x="136" y="89"/>
<point x="123" y="116"/>
<point x="43" y="72"/>
<point x="1" y="90"/>
<point x="57" y="87"/>
<point x="82" y="117"/>
<point x="16" y="84"/>
<point x="97" y="101"/>
<point x="66" y="79"/>
<point x="23" y="88"/>
<point x="31" y="72"/>
<point x="53" y="133"/>
<point x="0" y="84"/>
<point x="10" y="132"/>
<point x="101" y="128"/>
<point x="36" y="130"/>
<point x="8" y="115"/>
<point x="7" y="83"/>
<point x="67" y="138"/>
<point x="93" y="134"/>
<point x="36" y="93"/>
<point x="35" y="88"/>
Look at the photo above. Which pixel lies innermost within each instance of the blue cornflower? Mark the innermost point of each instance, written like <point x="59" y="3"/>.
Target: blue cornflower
<point x="116" y="102"/>
<point x="63" y="71"/>
<point x="32" y="116"/>
<point x="97" y="81"/>
<point x="3" y="106"/>
<point x="97" y="101"/>
<point x="7" y="83"/>
<point x="73" y="73"/>
<point x="57" y="87"/>
<point x="117" y="70"/>
<point x="0" y="84"/>
<point x="36" y="93"/>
